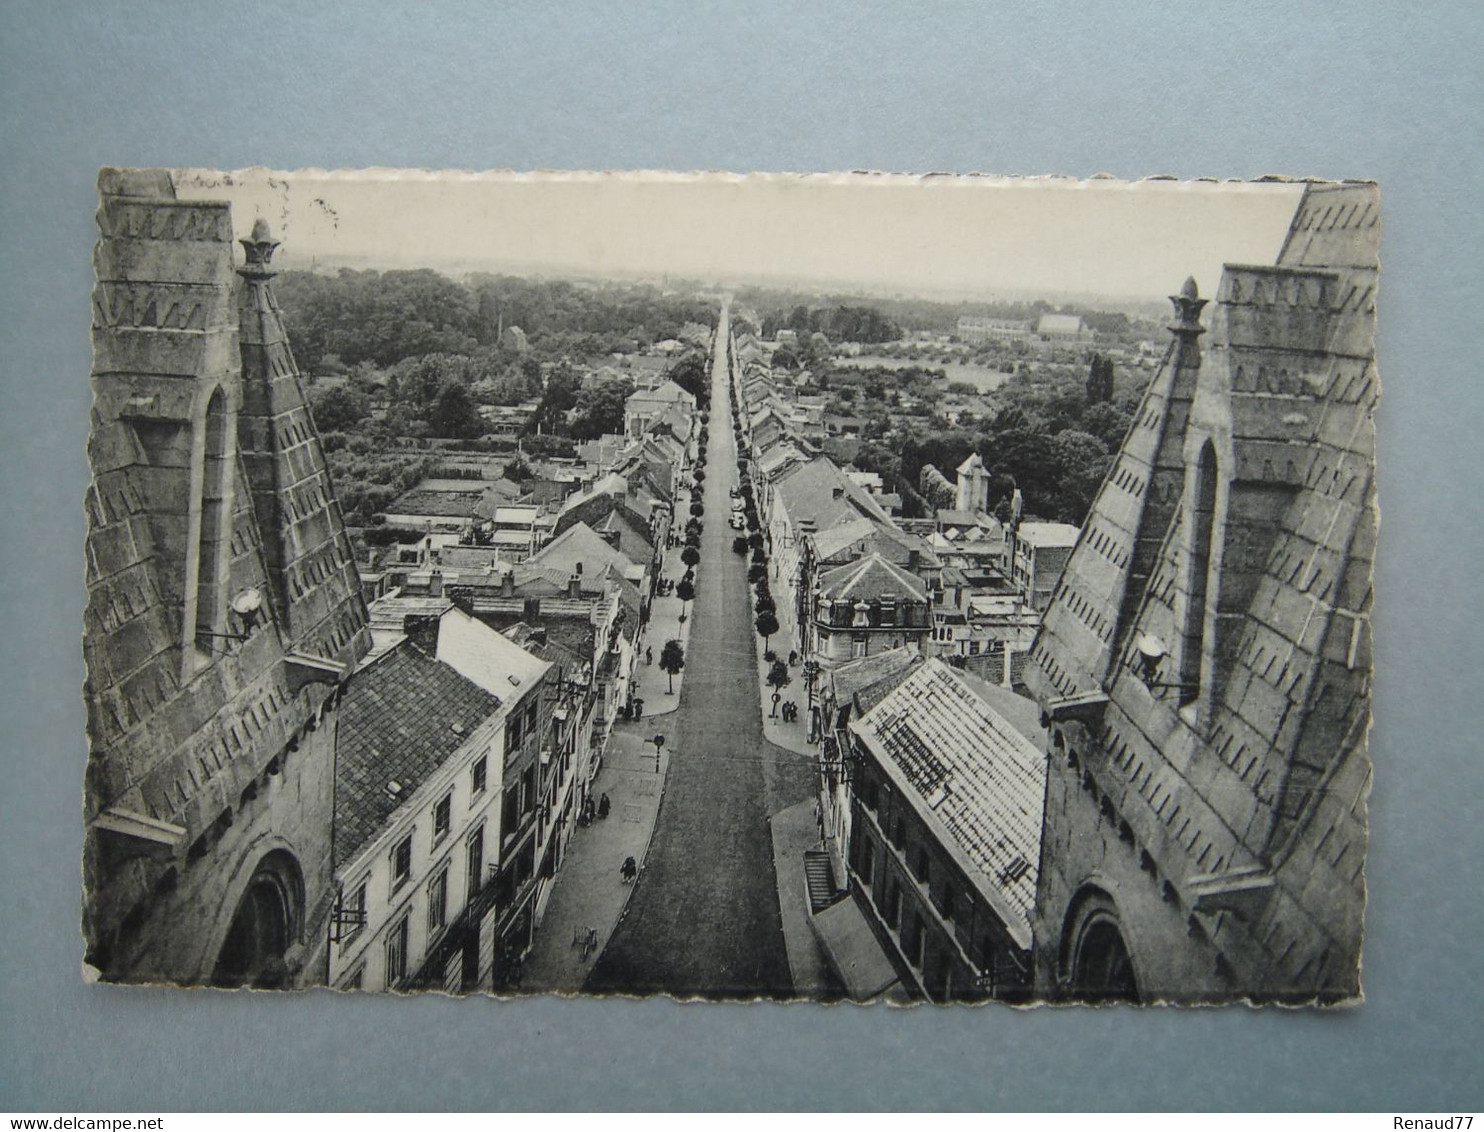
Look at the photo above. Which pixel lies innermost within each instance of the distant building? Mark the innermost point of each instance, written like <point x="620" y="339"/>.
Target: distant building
<point x="645" y="405"/>
<point x="982" y="331"/>
<point x="866" y="607"/>
<point x="1041" y="553"/>
<point x="972" y="485"/>
<point x="1063" y="326"/>
<point x="1205" y="666"/>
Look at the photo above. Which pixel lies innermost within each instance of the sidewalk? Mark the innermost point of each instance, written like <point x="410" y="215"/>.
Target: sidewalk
<point x="651" y="683"/>
<point x="791" y="736"/>
<point x="588" y="894"/>
<point x="795" y="830"/>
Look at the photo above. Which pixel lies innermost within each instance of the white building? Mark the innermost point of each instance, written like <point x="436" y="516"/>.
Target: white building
<point x="439" y="789"/>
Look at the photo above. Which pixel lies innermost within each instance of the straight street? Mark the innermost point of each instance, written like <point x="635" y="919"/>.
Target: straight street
<point x="704" y="918"/>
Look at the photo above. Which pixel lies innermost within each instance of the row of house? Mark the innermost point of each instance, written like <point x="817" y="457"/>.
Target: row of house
<point x="861" y="580"/>
<point x="473" y="736"/>
<point x="1176" y="811"/>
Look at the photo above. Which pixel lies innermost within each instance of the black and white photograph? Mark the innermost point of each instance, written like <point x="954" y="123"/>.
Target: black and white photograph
<point x="851" y="588"/>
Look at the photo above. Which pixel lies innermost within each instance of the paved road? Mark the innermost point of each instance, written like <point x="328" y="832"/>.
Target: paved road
<point x="704" y="918"/>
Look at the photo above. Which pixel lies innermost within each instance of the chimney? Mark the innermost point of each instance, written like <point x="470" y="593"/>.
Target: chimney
<point x="435" y="583"/>
<point x="422" y="631"/>
<point x="574" y="586"/>
<point x="839" y="491"/>
<point x="538" y="634"/>
<point x="507" y="583"/>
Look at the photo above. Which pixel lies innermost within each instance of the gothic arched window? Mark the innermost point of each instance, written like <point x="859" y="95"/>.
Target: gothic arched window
<point x="211" y="544"/>
<point x="1202" y="539"/>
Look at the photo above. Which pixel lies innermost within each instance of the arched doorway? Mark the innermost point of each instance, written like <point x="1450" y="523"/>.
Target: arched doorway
<point x="267" y="923"/>
<point x="1101" y="968"/>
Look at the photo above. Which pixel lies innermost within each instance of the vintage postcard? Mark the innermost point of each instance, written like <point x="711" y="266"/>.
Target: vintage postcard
<point x="840" y="587"/>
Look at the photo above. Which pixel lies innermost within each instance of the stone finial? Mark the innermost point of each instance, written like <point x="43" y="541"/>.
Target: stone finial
<point x="1188" y="304"/>
<point x="259" y="248"/>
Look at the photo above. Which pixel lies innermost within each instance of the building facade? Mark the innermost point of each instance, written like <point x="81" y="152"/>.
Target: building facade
<point x="1040" y="555"/>
<point x="417" y="825"/>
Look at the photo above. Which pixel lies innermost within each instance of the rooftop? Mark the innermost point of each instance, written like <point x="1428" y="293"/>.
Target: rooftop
<point x="1048" y="534"/>
<point x="868" y="671"/>
<point x="818" y="490"/>
<point x="401" y="719"/>
<point x="871" y="578"/>
<point x="975" y="779"/>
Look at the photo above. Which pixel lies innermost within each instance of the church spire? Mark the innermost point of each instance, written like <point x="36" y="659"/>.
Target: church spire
<point x="314" y="587"/>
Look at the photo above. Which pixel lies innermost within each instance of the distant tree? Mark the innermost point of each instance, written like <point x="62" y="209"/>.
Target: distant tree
<point x="756" y="573"/>
<point x="454" y="413"/>
<point x="600" y="409"/>
<point x="685" y="590"/>
<point x="755" y="540"/>
<point x="517" y="470"/>
<point x="690" y="374"/>
<point x="338" y="408"/>
<point x="1108" y="422"/>
<point x="739" y="545"/>
<point x="1099" y="379"/>
<point x="697" y="509"/>
<point x="672" y="660"/>
<point x="690" y="556"/>
<point x="779" y="678"/>
<point x="1083" y="461"/>
<point x="936" y="488"/>
<point x="767" y="625"/>
<point x="765" y="604"/>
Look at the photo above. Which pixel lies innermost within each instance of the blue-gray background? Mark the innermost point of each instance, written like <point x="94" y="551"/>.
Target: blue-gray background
<point x="1380" y="90"/>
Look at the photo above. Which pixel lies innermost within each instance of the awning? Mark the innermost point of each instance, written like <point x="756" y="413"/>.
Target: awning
<point x="853" y="950"/>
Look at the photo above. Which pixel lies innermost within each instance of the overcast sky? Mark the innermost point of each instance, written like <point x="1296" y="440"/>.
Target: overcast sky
<point x="973" y="236"/>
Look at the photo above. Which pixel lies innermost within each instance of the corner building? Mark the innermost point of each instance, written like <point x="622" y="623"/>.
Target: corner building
<point x="1204" y="666"/>
<point x="224" y="612"/>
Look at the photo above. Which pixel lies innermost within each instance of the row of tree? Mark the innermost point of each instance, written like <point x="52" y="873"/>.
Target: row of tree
<point x="340" y="321"/>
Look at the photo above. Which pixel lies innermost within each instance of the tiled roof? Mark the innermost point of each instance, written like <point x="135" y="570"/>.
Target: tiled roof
<point x="872" y="536"/>
<point x="863" y="672"/>
<point x="870" y="578"/>
<point x="831" y="542"/>
<point x="809" y="492"/>
<point x="571" y="663"/>
<point x="1059" y="324"/>
<point x="667" y="391"/>
<point x="579" y="543"/>
<point x="401" y="719"/>
<point x="975" y="780"/>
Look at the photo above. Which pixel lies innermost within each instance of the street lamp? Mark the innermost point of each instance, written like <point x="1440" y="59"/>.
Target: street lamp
<point x="659" y="745"/>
